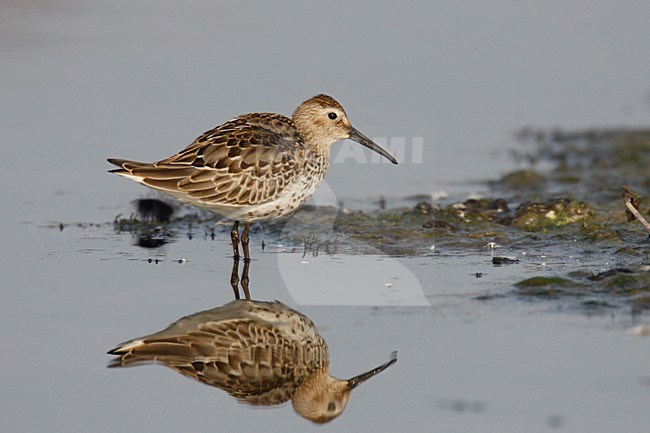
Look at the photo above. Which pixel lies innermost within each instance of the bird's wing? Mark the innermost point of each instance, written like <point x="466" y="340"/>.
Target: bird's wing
<point x="244" y="358"/>
<point x="248" y="160"/>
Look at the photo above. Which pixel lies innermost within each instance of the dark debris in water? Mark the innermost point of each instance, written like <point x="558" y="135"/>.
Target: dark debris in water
<point x="154" y="210"/>
<point x="502" y="260"/>
<point x="608" y="289"/>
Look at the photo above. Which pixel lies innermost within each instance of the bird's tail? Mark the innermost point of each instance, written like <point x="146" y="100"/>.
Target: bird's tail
<point x="167" y="351"/>
<point x="125" y="166"/>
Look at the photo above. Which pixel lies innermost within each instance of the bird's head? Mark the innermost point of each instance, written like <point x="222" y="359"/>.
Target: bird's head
<point x="322" y="121"/>
<point x="320" y="397"/>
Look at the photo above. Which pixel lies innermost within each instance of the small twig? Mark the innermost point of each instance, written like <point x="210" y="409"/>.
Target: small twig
<point x="638" y="216"/>
<point x="632" y="202"/>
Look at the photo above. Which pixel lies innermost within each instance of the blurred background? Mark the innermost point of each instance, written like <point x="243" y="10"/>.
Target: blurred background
<point x="85" y="80"/>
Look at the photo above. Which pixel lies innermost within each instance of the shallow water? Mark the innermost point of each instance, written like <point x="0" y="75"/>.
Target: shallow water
<point x="463" y="363"/>
<point x="86" y="81"/>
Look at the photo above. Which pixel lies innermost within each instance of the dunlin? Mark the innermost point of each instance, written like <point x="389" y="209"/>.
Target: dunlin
<point x="262" y="353"/>
<point x="257" y="166"/>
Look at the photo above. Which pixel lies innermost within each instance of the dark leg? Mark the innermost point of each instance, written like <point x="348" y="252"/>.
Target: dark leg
<point x="244" y="242"/>
<point x="234" y="236"/>
<point x="234" y="277"/>
<point x="245" y="280"/>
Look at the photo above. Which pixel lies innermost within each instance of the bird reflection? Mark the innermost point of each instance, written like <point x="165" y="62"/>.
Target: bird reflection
<point x="262" y="353"/>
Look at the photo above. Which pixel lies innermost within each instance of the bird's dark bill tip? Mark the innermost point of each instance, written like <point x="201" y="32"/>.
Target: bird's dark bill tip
<point x="357" y="136"/>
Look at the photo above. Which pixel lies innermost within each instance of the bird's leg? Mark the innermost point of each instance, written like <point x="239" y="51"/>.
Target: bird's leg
<point x="234" y="236"/>
<point x="234" y="277"/>
<point x="244" y="242"/>
<point x="245" y="281"/>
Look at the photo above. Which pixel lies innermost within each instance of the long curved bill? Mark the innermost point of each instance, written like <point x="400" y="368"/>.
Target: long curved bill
<point x="365" y="141"/>
<point x="358" y="380"/>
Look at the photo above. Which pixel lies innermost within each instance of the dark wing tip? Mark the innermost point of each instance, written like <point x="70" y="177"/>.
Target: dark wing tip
<point x="115" y="351"/>
<point x="117" y="162"/>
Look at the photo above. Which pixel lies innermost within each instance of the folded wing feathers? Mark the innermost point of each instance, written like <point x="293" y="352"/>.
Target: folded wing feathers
<point x="244" y="161"/>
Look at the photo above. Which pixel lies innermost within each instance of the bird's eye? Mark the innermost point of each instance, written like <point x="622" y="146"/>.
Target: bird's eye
<point x="331" y="406"/>
<point x="332" y="115"/>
